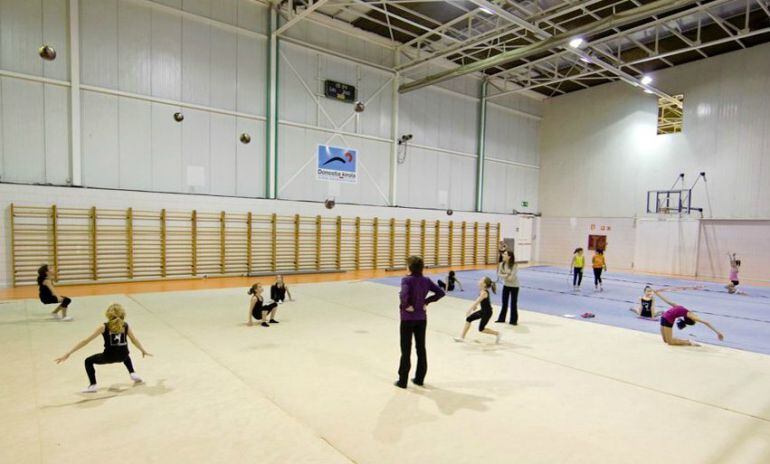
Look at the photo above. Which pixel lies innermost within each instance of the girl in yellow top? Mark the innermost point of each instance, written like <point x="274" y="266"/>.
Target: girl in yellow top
<point x="578" y="262"/>
<point x="599" y="265"/>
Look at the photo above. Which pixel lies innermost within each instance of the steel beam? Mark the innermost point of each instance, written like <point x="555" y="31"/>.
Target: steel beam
<point x="299" y="16"/>
<point x="559" y="40"/>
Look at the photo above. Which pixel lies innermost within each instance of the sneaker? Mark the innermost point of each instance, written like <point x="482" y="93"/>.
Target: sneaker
<point x="419" y="384"/>
<point x="136" y="378"/>
<point x="67" y="319"/>
<point x="264" y="324"/>
<point x="399" y="385"/>
<point x="497" y="338"/>
<point x="90" y="389"/>
<point x="273" y="321"/>
<point x="458" y="339"/>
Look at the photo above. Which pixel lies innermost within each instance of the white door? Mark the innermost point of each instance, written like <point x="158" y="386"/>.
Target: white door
<point x="524" y="239"/>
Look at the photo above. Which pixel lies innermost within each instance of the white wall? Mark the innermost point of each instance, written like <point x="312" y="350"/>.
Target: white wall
<point x="141" y="61"/>
<point x="27" y="195"/>
<point x="600" y="153"/>
<point x="512" y="160"/>
<point x="749" y="239"/>
<point x="557" y="237"/>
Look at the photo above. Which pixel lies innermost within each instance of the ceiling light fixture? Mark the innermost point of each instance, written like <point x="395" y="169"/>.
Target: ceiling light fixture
<point x="576" y="42"/>
<point x="646" y="80"/>
<point x="486" y="10"/>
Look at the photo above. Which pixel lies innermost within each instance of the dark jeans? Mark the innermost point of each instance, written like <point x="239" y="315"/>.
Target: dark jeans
<point x="597" y="276"/>
<point x="102" y="358"/>
<point x="513" y="294"/>
<point x="416" y="329"/>
<point x="577" y="276"/>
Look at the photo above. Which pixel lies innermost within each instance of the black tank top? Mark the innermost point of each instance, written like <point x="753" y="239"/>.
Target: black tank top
<point x="486" y="306"/>
<point x="43" y="291"/>
<point x="646" y="306"/>
<point x="115" y="343"/>
<point x="277" y="293"/>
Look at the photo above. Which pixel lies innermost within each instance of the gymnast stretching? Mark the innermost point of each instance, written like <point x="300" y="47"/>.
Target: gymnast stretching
<point x="682" y="317"/>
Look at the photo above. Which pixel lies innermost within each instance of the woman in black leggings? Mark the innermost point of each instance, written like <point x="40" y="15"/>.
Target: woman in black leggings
<point x="116" y="334"/>
<point x="258" y="310"/>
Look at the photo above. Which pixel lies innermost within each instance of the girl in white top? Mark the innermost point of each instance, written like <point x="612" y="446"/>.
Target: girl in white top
<point x="508" y="272"/>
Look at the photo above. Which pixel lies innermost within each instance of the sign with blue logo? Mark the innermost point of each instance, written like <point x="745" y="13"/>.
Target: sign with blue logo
<point x="337" y="164"/>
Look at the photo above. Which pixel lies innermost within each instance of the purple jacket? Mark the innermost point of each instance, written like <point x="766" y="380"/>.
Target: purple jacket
<point x="414" y="289"/>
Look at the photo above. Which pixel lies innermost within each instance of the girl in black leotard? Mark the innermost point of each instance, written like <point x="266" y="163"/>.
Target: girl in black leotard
<point x="48" y="295"/>
<point x="449" y="285"/>
<point x="116" y="334"/>
<point x="279" y="291"/>
<point x="258" y="310"/>
<point x="646" y="306"/>
<point x="481" y="310"/>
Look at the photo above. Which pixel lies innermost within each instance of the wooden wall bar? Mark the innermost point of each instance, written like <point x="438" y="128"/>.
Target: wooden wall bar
<point x="93" y="245"/>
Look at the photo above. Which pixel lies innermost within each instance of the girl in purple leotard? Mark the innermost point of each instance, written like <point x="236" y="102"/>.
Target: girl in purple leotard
<point x="685" y="317"/>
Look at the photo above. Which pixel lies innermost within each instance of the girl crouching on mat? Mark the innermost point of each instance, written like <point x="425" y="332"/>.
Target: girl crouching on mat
<point x="116" y="334"/>
<point x="735" y="267"/>
<point x="682" y="317"/>
<point x="48" y="294"/>
<point x="578" y="262"/>
<point x="279" y="291"/>
<point x="451" y="281"/>
<point x="646" y="306"/>
<point x="484" y="314"/>
<point x="259" y="311"/>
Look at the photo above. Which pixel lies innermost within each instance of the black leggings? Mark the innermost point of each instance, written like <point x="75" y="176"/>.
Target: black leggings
<point x="257" y="312"/>
<point x="597" y="276"/>
<point x="416" y="329"/>
<point x="103" y="358"/>
<point x="65" y="302"/>
<point x="577" y="276"/>
<point x="513" y="294"/>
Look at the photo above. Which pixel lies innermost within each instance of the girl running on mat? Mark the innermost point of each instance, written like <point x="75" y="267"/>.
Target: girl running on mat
<point x="682" y="317"/>
<point x="116" y="334"/>
<point x="577" y="265"/>
<point x="482" y="314"/>
<point x="263" y="313"/>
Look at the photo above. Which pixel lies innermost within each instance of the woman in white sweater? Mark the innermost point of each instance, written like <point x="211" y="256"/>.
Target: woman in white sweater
<point x="508" y="270"/>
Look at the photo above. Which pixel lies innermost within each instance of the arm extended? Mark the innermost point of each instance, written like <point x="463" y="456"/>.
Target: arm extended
<point x="136" y="343"/>
<point x="81" y="344"/>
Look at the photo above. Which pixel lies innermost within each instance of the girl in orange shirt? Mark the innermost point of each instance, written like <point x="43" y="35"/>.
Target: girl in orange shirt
<point x="599" y="265"/>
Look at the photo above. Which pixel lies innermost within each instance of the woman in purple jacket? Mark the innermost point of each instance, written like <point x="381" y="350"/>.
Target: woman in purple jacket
<point x="414" y="289"/>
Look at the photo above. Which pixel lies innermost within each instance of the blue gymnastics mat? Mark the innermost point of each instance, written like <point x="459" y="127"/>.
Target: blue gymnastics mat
<point x="744" y="319"/>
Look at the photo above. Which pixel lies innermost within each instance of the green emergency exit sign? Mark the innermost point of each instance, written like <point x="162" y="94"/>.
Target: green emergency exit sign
<point x="525" y="203"/>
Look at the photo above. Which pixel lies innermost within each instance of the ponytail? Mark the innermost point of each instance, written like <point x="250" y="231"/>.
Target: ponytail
<point x="116" y="318"/>
<point x="253" y="289"/>
<point x="489" y="283"/>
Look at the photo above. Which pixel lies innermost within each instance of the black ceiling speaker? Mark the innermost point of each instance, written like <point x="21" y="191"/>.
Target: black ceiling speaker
<point x="178" y="117"/>
<point x="245" y="138"/>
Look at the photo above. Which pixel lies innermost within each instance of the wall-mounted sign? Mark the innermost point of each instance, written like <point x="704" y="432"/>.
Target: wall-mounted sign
<point x="525" y="204"/>
<point x="337" y="164"/>
<point x="339" y="91"/>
